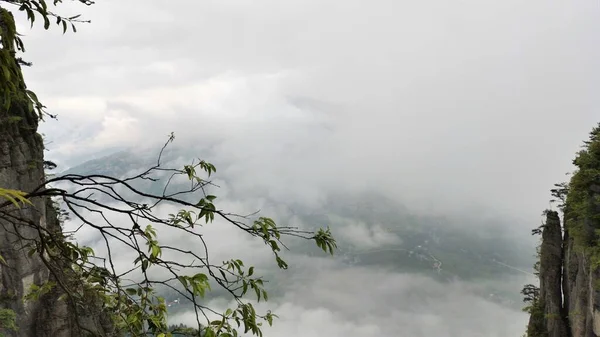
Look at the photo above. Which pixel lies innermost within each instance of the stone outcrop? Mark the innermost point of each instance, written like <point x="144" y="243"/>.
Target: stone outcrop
<point x="22" y="168"/>
<point x="578" y="289"/>
<point x="569" y="270"/>
<point x="551" y="276"/>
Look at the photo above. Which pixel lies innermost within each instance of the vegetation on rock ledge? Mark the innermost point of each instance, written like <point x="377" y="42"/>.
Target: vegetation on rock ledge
<point x="582" y="212"/>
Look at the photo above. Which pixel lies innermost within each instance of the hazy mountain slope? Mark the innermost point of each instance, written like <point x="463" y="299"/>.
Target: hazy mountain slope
<point x="375" y="231"/>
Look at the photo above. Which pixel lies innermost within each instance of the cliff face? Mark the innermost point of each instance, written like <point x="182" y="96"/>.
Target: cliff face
<point x="551" y="276"/>
<point x="569" y="271"/>
<point x="22" y="168"/>
<point x="581" y="294"/>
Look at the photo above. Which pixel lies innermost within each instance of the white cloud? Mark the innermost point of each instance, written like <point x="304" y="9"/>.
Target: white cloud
<point x="343" y="302"/>
<point x="319" y="296"/>
<point x="362" y="235"/>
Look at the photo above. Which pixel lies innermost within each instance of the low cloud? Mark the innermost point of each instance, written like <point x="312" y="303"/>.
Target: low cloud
<point x="362" y="235"/>
<point x="322" y="296"/>
<point x="323" y="299"/>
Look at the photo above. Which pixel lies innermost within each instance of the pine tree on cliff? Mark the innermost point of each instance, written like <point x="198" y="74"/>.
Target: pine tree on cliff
<point x="53" y="287"/>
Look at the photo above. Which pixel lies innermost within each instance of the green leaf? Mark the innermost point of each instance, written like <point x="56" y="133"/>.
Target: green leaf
<point x="14" y="196"/>
<point x="274" y="245"/>
<point x="156" y="252"/>
<point x="30" y="15"/>
<point x="201" y="277"/>
<point x="257" y="292"/>
<point x="280" y="263"/>
<point x="183" y="281"/>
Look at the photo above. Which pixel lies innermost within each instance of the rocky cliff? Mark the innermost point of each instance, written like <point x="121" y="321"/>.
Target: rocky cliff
<point x="22" y="168"/>
<point x="568" y="302"/>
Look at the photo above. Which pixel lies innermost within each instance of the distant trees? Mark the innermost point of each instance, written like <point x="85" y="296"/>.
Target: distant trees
<point x="182" y="330"/>
<point x="87" y="280"/>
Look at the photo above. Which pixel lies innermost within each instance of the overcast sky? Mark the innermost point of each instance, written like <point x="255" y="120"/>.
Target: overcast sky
<point x="440" y="104"/>
<point x="463" y="102"/>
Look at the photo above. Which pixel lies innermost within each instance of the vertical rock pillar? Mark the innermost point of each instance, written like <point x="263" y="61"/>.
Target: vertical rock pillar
<point x="551" y="257"/>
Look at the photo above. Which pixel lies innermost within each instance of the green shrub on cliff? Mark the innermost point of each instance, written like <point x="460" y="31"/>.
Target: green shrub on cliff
<point x="8" y="319"/>
<point x="582" y="214"/>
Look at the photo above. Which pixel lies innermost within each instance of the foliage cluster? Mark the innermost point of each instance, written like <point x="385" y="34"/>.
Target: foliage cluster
<point x="13" y="87"/>
<point x="535" y="309"/>
<point x="8" y="321"/>
<point x="582" y="207"/>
